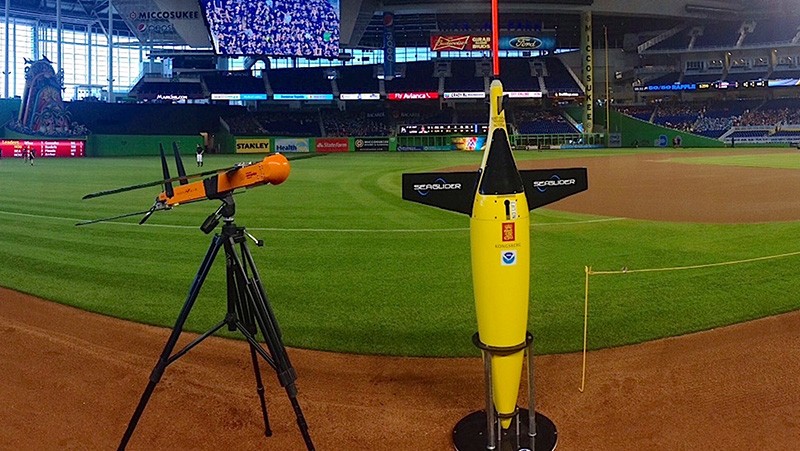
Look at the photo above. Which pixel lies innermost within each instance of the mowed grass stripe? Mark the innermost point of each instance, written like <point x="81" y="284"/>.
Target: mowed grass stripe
<point x="781" y="160"/>
<point x="404" y="293"/>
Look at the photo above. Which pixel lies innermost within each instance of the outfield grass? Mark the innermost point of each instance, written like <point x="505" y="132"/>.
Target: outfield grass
<point x="787" y="160"/>
<point x="351" y="267"/>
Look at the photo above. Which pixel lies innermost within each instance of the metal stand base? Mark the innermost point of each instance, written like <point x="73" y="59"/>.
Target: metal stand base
<point x="469" y="434"/>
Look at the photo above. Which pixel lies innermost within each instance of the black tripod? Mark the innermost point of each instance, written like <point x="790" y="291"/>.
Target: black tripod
<point x="248" y="311"/>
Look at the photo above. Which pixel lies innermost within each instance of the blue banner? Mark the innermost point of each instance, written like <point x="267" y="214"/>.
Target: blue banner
<point x="527" y="42"/>
<point x="389" y="56"/>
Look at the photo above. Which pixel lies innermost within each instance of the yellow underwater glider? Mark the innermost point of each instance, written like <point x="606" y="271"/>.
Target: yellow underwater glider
<point x="498" y="198"/>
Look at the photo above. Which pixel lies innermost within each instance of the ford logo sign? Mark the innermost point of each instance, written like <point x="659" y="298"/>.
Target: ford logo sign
<point x="525" y="43"/>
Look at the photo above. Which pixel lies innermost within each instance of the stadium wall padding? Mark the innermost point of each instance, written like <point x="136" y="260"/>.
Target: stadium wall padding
<point x="138" y="145"/>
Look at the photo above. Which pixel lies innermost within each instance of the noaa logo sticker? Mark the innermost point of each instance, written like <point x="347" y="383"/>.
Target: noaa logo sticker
<point x="508" y="258"/>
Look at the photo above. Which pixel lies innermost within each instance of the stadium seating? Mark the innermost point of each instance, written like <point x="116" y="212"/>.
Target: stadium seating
<point x="719" y="35"/>
<point x="517" y="76"/>
<point x="300" y="81"/>
<point x="748" y="134"/>
<point x="559" y="78"/>
<point x="418" y="77"/>
<point x="149" y="119"/>
<point x="289" y="123"/>
<point x="243" y="124"/>
<point x="234" y="83"/>
<point x="542" y="122"/>
<point x="680" y="116"/>
<point x="357" y="79"/>
<point x="463" y="78"/>
<point x="644" y="112"/>
<point x="770" y="32"/>
<point x="372" y="122"/>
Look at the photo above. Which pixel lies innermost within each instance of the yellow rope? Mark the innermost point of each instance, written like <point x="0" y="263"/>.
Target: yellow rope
<point x="678" y="268"/>
<point x="589" y="272"/>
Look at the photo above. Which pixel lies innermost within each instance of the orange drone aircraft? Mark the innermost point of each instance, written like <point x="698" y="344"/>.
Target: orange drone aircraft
<point x="273" y="169"/>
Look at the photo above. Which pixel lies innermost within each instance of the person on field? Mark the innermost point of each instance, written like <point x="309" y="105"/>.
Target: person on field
<point x="200" y="152"/>
<point x="31" y="155"/>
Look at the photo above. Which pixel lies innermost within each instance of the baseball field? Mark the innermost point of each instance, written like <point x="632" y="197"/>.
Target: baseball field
<point x="676" y="242"/>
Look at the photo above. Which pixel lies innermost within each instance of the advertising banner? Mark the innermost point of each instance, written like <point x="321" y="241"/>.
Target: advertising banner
<point x="446" y="42"/>
<point x="360" y="96"/>
<point x="587" y="59"/>
<point x="388" y="46"/>
<point x="223" y="96"/>
<point x="302" y="96"/>
<point x="464" y="95"/>
<point x="13" y="148"/>
<point x="177" y="22"/>
<point x="412" y="95"/>
<point x="328" y="145"/>
<point x="371" y="144"/>
<point x="252" y="145"/>
<point x="286" y="145"/>
<point x="524" y="94"/>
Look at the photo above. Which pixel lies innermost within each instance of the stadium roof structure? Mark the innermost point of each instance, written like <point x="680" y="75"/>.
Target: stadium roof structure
<point x="361" y="20"/>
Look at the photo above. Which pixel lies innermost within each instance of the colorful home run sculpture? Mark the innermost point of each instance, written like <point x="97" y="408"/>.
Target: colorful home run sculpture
<point x="42" y="111"/>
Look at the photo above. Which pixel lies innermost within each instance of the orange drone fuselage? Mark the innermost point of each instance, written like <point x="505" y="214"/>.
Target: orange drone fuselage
<point x="273" y="169"/>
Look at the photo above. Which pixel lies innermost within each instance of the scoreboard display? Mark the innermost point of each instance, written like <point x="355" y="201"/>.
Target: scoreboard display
<point x="15" y="148"/>
<point x="444" y="129"/>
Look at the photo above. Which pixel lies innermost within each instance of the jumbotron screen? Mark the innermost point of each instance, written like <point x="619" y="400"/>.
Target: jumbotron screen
<point x="273" y="27"/>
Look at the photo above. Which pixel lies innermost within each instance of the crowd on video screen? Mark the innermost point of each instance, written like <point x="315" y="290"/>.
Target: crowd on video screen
<point x="274" y="27"/>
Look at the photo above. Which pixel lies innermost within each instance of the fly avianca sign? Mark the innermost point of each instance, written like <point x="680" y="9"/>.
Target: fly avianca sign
<point x="432" y="95"/>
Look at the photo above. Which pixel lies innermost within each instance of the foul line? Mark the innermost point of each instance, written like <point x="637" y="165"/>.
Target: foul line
<point x="278" y="229"/>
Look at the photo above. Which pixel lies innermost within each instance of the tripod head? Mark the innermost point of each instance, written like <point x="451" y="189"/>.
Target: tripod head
<point x="226" y="211"/>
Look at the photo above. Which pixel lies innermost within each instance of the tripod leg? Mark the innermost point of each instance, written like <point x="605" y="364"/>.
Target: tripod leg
<point x="243" y="321"/>
<point x="260" y="390"/>
<point x="164" y="359"/>
<point x="268" y="324"/>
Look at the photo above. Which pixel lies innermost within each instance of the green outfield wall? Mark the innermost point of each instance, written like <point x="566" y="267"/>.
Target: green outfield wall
<point x="638" y="133"/>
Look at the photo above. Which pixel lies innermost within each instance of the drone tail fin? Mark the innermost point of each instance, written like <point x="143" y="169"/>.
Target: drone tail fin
<point x="179" y="163"/>
<point x="165" y="171"/>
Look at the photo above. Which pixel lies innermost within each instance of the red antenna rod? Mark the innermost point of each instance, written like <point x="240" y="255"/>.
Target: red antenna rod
<point x="495" y="40"/>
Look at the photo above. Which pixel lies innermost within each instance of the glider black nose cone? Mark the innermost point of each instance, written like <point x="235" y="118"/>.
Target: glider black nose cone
<point x="500" y="175"/>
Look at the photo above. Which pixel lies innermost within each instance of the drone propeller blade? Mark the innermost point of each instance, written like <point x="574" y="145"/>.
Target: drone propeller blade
<point x="165" y="170"/>
<point x="179" y="164"/>
<point x="148" y="214"/>
<point x="115" y="217"/>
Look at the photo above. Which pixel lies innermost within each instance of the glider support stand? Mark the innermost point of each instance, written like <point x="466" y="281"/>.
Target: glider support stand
<point x="529" y="430"/>
<point x="248" y="311"/>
